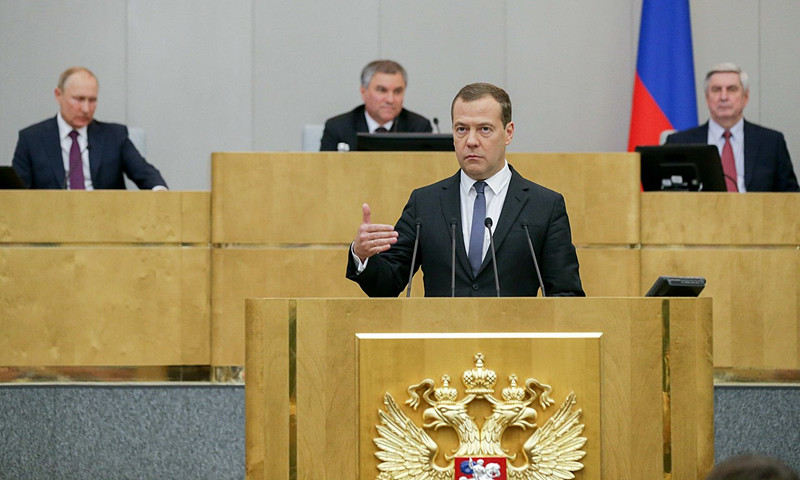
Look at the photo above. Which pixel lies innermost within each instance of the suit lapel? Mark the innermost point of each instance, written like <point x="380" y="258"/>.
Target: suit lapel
<point x="95" y="150"/>
<point x="702" y="134"/>
<point x="516" y="198"/>
<point x="399" y="123"/>
<point x="360" y="121"/>
<point x="450" y="201"/>
<point x="750" y="152"/>
<point x="51" y="143"/>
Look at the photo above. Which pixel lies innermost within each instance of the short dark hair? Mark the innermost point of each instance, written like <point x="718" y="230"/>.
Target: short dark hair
<point x="62" y="79"/>
<point x="475" y="91"/>
<point x="752" y="467"/>
<point x="389" y="67"/>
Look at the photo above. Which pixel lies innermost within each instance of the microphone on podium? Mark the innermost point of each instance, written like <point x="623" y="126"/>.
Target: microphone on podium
<point x="436" y="124"/>
<point x="533" y="255"/>
<point x="413" y="260"/>
<point x="488" y="224"/>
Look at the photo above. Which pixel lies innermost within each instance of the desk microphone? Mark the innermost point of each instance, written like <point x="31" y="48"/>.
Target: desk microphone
<point x="413" y="260"/>
<point x="436" y="124"/>
<point x="488" y="224"/>
<point x="453" y="258"/>
<point x="733" y="180"/>
<point x="533" y="255"/>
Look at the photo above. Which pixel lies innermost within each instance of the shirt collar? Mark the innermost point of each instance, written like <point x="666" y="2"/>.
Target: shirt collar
<point x="716" y="130"/>
<point x="64" y="128"/>
<point x="496" y="182"/>
<point x="372" y="124"/>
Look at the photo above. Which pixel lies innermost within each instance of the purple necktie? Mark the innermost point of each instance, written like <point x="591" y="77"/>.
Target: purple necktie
<point x="729" y="164"/>
<point x="476" y="235"/>
<point x="76" y="181"/>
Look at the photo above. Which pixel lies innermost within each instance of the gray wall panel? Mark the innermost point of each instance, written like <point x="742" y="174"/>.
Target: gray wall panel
<point x="757" y="419"/>
<point x="780" y="68"/>
<point x="190" y="83"/>
<point x="571" y="75"/>
<point x="307" y="60"/>
<point x="444" y="48"/>
<point x="196" y="431"/>
<point x="146" y="431"/>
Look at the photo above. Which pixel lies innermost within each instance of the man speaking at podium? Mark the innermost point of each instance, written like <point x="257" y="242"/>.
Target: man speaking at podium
<point x="485" y="202"/>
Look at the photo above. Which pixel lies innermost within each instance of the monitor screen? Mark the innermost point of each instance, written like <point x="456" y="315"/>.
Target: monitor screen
<point x="405" y="142"/>
<point x="690" y="168"/>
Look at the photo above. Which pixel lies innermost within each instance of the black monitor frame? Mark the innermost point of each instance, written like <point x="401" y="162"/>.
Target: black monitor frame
<point x="691" y="167"/>
<point x="405" y="142"/>
<point x="9" y="180"/>
<point x="677" y="287"/>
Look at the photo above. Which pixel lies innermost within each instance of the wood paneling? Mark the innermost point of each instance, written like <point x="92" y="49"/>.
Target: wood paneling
<point x="633" y="423"/>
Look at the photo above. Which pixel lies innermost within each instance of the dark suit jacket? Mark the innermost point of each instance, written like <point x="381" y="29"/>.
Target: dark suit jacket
<point x="345" y="127"/>
<point x="38" y="160"/>
<point x="437" y="205"/>
<point x="767" y="166"/>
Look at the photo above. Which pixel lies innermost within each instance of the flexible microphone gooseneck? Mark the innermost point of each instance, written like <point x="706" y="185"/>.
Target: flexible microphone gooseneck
<point x="453" y="258"/>
<point x="413" y="260"/>
<point x="488" y="224"/>
<point x="436" y="124"/>
<point x="533" y="255"/>
<point x="735" y="181"/>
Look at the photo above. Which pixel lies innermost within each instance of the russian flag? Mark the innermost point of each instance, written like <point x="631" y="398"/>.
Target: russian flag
<point x="663" y="92"/>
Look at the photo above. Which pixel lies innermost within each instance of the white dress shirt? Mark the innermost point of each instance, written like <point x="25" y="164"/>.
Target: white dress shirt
<point x="715" y="137"/>
<point x="372" y="125"/>
<point x="495" y="193"/>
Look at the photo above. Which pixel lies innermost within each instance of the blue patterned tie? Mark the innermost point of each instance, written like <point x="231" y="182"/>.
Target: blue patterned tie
<point x="477" y="232"/>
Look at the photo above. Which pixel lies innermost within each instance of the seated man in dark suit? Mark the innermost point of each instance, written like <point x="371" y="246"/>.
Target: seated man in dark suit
<point x="754" y="158"/>
<point x="383" y="86"/>
<point x="74" y="151"/>
<point x="453" y="214"/>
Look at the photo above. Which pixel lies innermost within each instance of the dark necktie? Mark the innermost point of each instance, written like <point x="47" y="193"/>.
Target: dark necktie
<point x="729" y="164"/>
<point x="477" y="233"/>
<point x="76" y="181"/>
<point x="381" y="130"/>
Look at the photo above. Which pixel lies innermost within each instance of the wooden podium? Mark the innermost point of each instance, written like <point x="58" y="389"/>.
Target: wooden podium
<point x="318" y="369"/>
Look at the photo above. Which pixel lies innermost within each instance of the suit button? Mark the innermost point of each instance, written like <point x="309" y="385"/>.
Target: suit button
<point x="475" y="287"/>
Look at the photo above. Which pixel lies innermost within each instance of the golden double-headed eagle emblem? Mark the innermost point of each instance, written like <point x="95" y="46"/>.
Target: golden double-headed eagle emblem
<point x="550" y="452"/>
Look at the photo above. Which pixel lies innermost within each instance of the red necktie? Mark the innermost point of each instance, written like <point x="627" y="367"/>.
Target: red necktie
<point x="76" y="181"/>
<point x="729" y="164"/>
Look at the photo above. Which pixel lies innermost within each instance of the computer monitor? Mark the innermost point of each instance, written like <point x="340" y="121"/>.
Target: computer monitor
<point x="405" y="142"/>
<point x="690" y="168"/>
<point x="677" y="287"/>
<point x="9" y="178"/>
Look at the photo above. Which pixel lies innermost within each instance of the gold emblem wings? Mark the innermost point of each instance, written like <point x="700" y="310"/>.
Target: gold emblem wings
<point x="552" y="452"/>
<point x="406" y="450"/>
